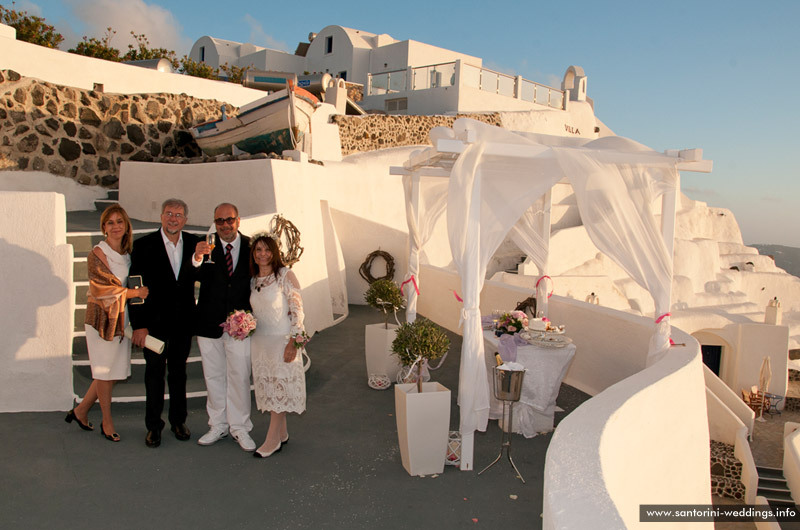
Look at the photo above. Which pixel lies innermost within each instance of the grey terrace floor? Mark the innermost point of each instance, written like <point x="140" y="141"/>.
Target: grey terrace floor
<point x="341" y="468"/>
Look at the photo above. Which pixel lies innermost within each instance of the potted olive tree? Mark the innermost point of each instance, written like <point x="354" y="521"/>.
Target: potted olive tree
<point x="383" y="295"/>
<point x="422" y="409"/>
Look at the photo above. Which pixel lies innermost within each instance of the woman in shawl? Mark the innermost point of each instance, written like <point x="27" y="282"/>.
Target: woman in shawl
<point x="106" y="319"/>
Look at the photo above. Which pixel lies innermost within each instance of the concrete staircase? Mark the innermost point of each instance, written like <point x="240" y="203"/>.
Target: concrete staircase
<point x="772" y="486"/>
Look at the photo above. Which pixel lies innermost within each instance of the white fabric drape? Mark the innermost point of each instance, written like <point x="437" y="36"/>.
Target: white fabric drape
<point x="423" y="209"/>
<point x="615" y="182"/>
<point x="486" y="197"/>
<point x="527" y="235"/>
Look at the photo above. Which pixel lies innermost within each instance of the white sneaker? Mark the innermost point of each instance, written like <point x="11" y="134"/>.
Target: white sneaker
<point x="214" y="435"/>
<point x="245" y="442"/>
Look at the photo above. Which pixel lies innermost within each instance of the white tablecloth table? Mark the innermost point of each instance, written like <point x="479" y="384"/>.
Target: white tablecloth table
<point x="546" y="368"/>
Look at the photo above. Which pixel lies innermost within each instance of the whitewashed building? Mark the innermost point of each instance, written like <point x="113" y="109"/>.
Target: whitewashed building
<point x="399" y="77"/>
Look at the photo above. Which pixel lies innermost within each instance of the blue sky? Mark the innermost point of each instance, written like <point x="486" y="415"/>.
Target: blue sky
<point x="716" y="75"/>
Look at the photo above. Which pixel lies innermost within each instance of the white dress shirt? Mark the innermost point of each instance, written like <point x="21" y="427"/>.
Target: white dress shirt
<point x="174" y="251"/>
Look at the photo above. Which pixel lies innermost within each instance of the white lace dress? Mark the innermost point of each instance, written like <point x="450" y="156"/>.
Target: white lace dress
<point x="278" y="308"/>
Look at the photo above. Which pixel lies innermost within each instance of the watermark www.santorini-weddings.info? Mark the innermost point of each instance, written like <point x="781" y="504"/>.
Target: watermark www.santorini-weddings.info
<point x="695" y="513"/>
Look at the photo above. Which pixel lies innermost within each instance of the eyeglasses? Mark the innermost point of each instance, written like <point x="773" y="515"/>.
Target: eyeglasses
<point x="229" y="220"/>
<point x="175" y="215"/>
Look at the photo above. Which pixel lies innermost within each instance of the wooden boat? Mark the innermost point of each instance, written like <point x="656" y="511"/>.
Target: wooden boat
<point x="271" y="124"/>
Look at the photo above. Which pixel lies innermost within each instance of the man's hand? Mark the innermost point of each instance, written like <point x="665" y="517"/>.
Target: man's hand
<point x="202" y="249"/>
<point x="138" y="337"/>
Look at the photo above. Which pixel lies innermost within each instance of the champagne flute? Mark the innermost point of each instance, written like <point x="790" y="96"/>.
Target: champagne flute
<point x="210" y="241"/>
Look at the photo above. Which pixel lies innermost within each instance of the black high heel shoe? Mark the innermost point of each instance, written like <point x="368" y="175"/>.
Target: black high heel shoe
<point x="114" y="437"/>
<point x="85" y="426"/>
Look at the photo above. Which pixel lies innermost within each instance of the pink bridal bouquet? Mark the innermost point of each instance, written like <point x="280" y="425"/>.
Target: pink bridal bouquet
<point x="512" y="322"/>
<point x="240" y="324"/>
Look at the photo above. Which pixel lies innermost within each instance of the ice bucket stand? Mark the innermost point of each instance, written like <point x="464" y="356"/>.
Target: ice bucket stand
<point x="507" y="388"/>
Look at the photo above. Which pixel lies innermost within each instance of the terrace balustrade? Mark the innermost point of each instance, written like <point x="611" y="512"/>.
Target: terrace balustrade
<point x="449" y="74"/>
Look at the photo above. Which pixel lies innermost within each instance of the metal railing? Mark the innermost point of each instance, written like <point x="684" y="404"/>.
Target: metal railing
<point x="387" y="82"/>
<point x="445" y="75"/>
<point x="433" y="76"/>
<point x="506" y="85"/>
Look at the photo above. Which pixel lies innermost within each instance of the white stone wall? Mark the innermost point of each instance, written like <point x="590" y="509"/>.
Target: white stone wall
<point x="77" y="71"/>
<point x="791" y="457"/>
<point x="36" y="291"/>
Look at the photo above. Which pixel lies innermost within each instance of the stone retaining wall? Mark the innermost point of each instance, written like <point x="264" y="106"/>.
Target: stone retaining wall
<point x="84" y="135"/>
<point x="726" y="472"/>
<point x="379" y="131"/>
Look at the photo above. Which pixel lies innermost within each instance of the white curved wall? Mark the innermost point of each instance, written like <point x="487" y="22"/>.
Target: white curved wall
<point x="791" y="457"/>
<point x="36" y="287"/>
<point x="624" y="448"/>
<point x="349" y="56"/>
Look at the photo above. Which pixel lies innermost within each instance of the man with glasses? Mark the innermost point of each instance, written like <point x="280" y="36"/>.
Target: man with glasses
<point x="224" y="288"/>
<point x="164" y="261"/>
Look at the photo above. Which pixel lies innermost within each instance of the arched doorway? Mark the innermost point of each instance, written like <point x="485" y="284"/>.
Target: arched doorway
<point x="715" y="350"/>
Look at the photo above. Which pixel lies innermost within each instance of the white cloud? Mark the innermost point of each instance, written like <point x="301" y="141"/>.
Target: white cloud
<point x="158" y="24"/>
<point x="259" y="37"/>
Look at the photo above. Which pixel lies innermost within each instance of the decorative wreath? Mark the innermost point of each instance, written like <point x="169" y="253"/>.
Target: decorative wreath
<point x="287" y="236"/>
<point x="366" y="268"/>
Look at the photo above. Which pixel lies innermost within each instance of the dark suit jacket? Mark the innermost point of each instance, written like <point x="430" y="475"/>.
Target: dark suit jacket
<point x="170" y="306"/>
<point x="221" y="294"/>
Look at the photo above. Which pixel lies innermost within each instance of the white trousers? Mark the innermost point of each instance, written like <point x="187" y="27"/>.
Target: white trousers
<point x="226" y="369"/>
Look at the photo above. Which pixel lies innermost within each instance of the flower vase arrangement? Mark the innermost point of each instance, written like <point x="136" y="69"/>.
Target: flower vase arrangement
<point x="422" y="410"/>
<point x="240" y="324"/>
<point x="383" y="295"/>
<point x="511" y="322"/>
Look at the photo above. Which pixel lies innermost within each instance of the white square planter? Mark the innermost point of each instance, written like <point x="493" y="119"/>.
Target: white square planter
<point x="378" y="348"/>
<point x="423" y="422"/>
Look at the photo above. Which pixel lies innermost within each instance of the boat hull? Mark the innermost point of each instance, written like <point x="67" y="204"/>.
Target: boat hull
<point x="277" y="124"/>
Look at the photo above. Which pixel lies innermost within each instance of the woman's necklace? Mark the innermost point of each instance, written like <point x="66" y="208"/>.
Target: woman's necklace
<point x="263" y="281"/>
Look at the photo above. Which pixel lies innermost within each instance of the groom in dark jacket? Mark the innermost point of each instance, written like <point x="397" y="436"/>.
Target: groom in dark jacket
<point x="224" y="288"/>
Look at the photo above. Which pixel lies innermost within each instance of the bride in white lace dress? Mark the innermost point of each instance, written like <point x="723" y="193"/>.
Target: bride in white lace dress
<point x="278" y="375"/>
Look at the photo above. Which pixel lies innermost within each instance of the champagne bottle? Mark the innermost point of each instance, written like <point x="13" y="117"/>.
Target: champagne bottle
<point x="498" y="359"/>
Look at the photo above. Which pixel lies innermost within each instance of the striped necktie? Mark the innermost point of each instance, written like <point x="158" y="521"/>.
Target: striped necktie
<point x="229" y="258"/>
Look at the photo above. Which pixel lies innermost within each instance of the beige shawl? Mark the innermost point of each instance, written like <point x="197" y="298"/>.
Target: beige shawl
<point x="105" y="305"/>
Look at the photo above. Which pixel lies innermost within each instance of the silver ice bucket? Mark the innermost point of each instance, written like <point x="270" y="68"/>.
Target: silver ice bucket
<point x="508" y="384"/>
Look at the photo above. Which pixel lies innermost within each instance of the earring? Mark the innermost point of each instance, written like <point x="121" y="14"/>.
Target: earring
<point x="106" y="235"/>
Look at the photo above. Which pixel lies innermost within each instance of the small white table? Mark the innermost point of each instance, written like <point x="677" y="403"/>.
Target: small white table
<point x="546" y="368"/>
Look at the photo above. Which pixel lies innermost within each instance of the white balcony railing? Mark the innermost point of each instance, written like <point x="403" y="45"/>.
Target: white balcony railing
<point x="446" y="75"/>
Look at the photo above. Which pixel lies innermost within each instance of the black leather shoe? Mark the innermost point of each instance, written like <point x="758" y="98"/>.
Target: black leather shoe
<point x="153" y="439"/>
<point x="181" y="432"/>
